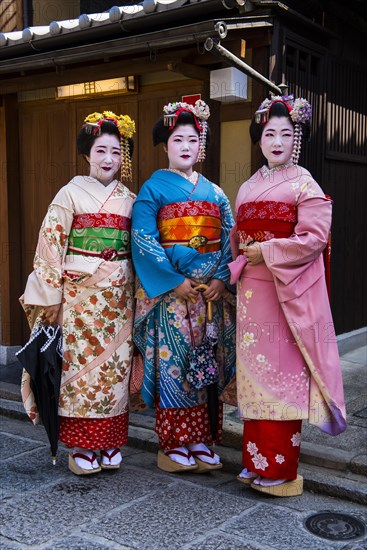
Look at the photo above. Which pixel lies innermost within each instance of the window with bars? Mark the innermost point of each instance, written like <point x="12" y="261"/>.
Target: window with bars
<point x="337" y="91"/>
<point x="346" y="112"/>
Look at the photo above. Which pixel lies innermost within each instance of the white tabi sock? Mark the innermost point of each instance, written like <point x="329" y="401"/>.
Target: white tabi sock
<point x="85" y="464"/>
<point x="200" y="447"/>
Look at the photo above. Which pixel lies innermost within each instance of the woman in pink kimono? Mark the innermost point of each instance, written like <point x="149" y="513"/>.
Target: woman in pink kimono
<point x="83" y="280"/>
<point x="287" y="358"/>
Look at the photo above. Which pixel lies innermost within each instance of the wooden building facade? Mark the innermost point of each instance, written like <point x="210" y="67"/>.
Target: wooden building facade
<point x="308" y="49"/>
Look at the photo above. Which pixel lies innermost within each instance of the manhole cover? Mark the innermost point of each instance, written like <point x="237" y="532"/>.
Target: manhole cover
<point x="335" y="526"/>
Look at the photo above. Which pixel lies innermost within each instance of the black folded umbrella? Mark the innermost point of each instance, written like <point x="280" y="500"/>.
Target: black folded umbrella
<point x="41" y="357"/>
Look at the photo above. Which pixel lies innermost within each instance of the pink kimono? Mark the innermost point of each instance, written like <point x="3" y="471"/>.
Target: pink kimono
<point x="287" y="358"/>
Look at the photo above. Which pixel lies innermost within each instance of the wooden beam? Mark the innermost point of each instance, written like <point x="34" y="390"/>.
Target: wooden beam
<point x="66" y="76"/>
<point x="189" y="70"/>
<point x="63" y="76"/>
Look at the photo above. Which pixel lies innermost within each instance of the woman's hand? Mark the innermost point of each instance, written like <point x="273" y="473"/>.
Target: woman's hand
<point x="50" y="314"/>
<point x="186" y="290"/>
<point x="214" y="291"/>
<point x="253" y="253"/>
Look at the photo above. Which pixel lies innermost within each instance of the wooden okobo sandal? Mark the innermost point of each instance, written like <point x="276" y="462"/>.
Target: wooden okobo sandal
<point x="73" y="466"/>
<point x="247" y="480"/>
<point x="166" y="464"/>
<point x="291" y="488"/>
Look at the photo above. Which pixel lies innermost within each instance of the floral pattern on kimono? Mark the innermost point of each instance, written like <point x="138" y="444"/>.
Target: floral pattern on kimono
<point x="97" y="298"/>
<point x="287" y="369"/>
<point x="161" y="323"/>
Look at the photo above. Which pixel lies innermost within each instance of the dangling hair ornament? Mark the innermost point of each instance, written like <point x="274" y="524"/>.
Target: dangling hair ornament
<point x="126" y="128"/>
<point x="300" y="112"/>
<point x="201" y="113"/>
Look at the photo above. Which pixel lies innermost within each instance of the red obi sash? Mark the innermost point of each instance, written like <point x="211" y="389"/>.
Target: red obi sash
<point x="196" y="224"/>
<point x="113" y="221"/>
<point x="264" y="220"/>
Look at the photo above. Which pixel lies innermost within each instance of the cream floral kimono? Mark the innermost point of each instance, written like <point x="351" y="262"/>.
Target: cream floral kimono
<point x="83" y="261"/>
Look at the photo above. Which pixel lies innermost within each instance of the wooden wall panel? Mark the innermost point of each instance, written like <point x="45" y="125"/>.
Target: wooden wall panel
<point x="46" y="165"/>
<point x="10" y="257"/>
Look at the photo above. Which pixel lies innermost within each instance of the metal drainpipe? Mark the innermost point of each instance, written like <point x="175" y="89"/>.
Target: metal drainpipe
<point x="211" y="44"/>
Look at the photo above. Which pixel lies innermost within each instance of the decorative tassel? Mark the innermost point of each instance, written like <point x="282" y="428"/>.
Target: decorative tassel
<point x="126" y="168"/>
<point x="202" y="141"/>
<point x="297" y="143"/>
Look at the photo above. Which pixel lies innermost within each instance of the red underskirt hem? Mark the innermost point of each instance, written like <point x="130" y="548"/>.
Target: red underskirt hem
<point x="94" y="433"/>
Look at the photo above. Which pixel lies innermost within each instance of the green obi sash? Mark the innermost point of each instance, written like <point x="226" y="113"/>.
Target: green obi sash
<point x="100" y="235"/>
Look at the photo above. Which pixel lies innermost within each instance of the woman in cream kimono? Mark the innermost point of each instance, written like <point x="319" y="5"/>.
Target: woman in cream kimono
<point x="83" y="280"/>
<point x="287" y="358"/>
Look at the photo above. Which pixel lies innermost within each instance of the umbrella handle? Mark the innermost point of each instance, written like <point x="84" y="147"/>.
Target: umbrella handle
<point x="210" y="304"/>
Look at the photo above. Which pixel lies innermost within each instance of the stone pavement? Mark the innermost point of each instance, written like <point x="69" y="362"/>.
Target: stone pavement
<point x="140" y="507"/>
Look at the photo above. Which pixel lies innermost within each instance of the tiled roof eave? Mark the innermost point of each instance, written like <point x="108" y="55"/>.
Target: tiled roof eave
<point x="195" y="33"/>
<point x="119" y="20"/>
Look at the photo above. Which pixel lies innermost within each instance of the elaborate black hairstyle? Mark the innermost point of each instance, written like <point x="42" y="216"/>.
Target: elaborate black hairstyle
<point x="86" y="138"/>
<point x="161" y="132"/>
<point x="277" y="109"/>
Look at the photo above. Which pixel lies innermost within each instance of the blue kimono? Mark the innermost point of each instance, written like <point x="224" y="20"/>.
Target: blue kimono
<point x="167" y="208"/>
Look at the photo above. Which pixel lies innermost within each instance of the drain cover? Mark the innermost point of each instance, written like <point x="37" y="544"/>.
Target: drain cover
<point x="335" y="526"/>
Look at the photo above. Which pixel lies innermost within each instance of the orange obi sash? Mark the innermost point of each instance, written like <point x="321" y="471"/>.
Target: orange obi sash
<point x="196" y="224"/>
<point x="264" y="220"/>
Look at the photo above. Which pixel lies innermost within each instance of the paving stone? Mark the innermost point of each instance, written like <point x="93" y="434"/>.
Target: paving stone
<point x="308" y="502"/>
<point x="11" y="446"/>
<point x="221" y="542"/>
<point x="30" y="471"/>
<point x="8" y="545"/>
<point x="169" y="518"/>
<point x="75" y="542"/>
<point x="279" y="530"/>
<point x="56" y="509"/>
<point x="149" y="461"/>
<point x="23" y="428"/>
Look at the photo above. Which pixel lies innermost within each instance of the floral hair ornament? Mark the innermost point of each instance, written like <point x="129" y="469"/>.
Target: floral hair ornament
<point x="126" y="128"/>
<point x="201" y="113"/>
<point x="300" y="112"/>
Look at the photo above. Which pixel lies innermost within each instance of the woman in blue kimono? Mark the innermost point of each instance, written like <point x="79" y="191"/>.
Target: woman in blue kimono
<point x="180" y="239"/>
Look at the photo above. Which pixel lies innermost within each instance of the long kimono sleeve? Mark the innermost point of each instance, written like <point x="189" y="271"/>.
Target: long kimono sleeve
<point x="155" y="272"/>
<point x="227" y="221"/>
<point x="45" y="284"/>
<point x="289" y="258"/>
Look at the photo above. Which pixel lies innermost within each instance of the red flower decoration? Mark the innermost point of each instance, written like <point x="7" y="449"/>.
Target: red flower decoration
<point x="108" y="254"/>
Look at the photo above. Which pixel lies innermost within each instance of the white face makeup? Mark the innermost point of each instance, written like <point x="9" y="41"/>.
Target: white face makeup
<point x="183" y="148"/>
<point x="105" y="158"/>
<point x="277" y="141"/>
